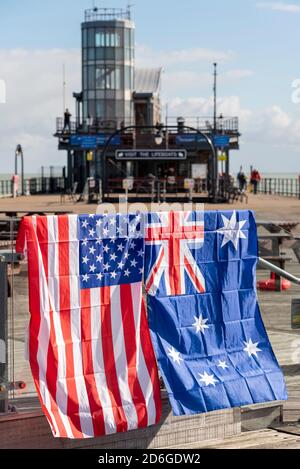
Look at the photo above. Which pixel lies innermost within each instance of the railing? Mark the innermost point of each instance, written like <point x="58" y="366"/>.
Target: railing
<point x="150" y="186"/>
<point x="92" y="125"/>
<point x="107" y="14"/>
<point x="288" y="187"/>
<point x="206" y="124"/>
<point x="40" y="185"/>
<point x="5" y="188"/>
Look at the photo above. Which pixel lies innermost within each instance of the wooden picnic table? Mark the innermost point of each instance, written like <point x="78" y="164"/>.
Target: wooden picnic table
<point x="277" y="226"/>
<point x="15" y="213"/>
<point x="282" y="229"/>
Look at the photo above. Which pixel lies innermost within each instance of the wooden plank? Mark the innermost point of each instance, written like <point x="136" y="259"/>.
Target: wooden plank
<point x="263" y="439"/>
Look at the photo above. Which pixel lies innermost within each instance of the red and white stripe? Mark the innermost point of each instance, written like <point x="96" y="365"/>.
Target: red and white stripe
<point x="90" y="350"/>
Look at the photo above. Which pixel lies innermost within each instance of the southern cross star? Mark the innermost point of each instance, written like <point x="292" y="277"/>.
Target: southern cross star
<point x="222" y="365"/>
<point x="208" y="379"/>
<point x="251" y="348"/>
<point x="200" y="324"/>
<point x="232" y="230"/>
<point x="175" y="356"/>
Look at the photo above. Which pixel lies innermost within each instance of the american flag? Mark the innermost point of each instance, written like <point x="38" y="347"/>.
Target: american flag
<point x="89" y="343"/>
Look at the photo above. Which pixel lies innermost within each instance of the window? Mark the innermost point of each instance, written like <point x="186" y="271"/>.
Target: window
<point x="91" y="54"/>
<point x="91" y="37"/>
<point x="128" y="78"/>
<point x="100" y="108"/>
<point x="100" y="39"/>
<point x="84" y="38"/>
<point x="108" y="78"/>
<point x="107" y="39"/>
<point x="100" y="78"/>
<point x="91" y="78"/>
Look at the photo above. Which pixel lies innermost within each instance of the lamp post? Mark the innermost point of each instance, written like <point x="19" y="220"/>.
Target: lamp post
<point x="19" y="154"/>
<point x="183" y="127"/>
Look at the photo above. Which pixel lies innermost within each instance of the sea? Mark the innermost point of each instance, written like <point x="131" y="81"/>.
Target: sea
<point x="7" y="177"/>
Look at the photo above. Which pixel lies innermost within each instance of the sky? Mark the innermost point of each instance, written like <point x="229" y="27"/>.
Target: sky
<point x="255" y="43"/>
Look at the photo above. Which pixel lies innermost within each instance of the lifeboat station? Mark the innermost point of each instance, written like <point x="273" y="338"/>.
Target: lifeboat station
<point x="118" y="141"/>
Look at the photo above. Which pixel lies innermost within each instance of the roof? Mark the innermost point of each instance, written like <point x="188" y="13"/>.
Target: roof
<point x="147" y="80"/>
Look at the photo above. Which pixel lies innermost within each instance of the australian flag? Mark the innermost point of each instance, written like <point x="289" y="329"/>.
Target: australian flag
<point x="212" y="347"/>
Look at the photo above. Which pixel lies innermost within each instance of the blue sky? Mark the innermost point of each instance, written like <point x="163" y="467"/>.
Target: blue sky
<point x="256" y="45"/>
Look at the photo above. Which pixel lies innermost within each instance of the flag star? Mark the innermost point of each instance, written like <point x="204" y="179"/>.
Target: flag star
<point x="113" y="275"/>
<point x="120" y="231"/>
<point x="112" y="222"/>
<point x="99" y="259"/>
<point x="92" y="250"/>
<point x="85" y="278"/>
<point x="232" y="230"/>
<point x="175" y="356"/>
<point x="85" y="224"/>
<point x="126" y="255"/>
<point x="127" y="273"/>
<point x="141" y="253"/>
<point x="133" y="263"/>
<point x="200" y="324"/>
<point x="99" y="223"/>
<point x="223" y="365"/>
<point x="91" y="215"/>
<point x="121" y="265"/>
<point x="99" y="241"/>
<point x="85" y="242"/>
<point x="113" y="257"/>
<point x="106" y="248"/>
<point x="92" y="268"/>
<point x="208" y="379"/>
<point x="251" y="348"/>
<point x="132" y="245"/>
<point x="120" y="247"/>
<point x="113" y="240"/>
<point x="106" y="266"/>
<point x="85" y="260"/>
<point x="92" y="232"/>
<point x="141" y="271"/>
<point x="99" y="276"/>
<point x="105" y="232"/>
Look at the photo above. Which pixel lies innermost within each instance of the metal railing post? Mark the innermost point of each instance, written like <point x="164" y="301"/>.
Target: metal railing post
<point x="3" y="337"/>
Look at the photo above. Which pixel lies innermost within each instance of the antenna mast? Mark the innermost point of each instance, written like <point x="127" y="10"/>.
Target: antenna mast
<point x="64" y="87"/>
<point x="215" y="96"/>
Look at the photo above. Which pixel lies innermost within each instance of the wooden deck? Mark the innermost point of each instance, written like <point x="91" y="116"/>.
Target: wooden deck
<point x="276" y="311"/>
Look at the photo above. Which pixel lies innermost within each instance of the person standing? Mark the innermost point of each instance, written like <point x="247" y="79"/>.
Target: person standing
<point x="67" y="120"/>
<point x="255" y="180"/>
<point x="242" y="180"/>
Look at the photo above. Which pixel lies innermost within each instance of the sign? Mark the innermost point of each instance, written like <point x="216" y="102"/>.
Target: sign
<point x="199" y="171"/>
<point x="90" y="156"/>
<point x="189" y="184"/>
<point x="151" y="155"/>
<point x="190" y="138"/>
<point x="222" y="157"/>
<point x="128" y="184"/>
<point x="93" y="141"/>
<point x="221" y="141"/>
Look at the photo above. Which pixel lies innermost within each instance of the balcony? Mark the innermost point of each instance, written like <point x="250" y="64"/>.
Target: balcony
<point x="107" y="14"/>
<point x="227" y="125"/>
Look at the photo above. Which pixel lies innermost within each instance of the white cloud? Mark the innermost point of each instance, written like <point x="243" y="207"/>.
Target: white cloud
<point x="279" y="6"/>
<point x="238" y="74"/>
<point x="33" y="100"/>
<point x="271" y="125"/>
